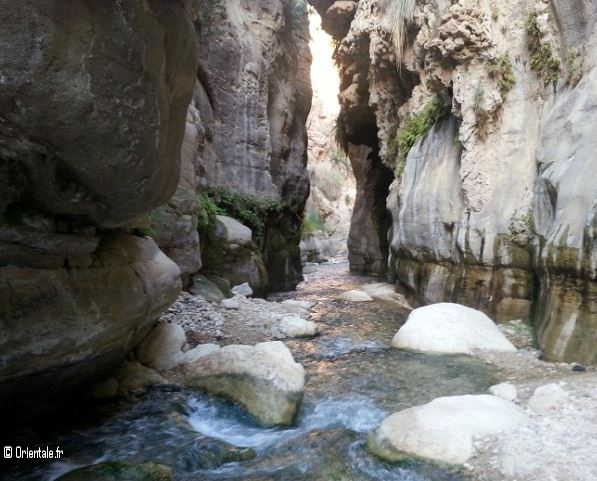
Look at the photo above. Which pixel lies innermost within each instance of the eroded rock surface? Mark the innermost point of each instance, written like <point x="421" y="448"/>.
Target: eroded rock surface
<point x="484" y="114"/>
<point x="93" y="99"/>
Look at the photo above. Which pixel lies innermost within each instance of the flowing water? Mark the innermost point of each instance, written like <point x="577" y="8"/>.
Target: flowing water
<point x="353" y="380"/>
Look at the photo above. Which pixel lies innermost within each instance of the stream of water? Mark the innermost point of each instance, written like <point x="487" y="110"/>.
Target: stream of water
<point x="353" y="380"/>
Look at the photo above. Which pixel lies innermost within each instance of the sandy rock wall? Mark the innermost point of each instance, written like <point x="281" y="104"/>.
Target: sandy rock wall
<point x="93" y="99"/>
<point x="492" y="207"/>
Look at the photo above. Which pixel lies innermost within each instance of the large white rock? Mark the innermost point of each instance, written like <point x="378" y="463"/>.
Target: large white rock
<point x="443" y="430"/>
<point x="161" y="349"/>
<point x="263" y="378"/>
<point x="356" y="296"/>
<point x="450" y="328"/>
<point x="232" y="231"/>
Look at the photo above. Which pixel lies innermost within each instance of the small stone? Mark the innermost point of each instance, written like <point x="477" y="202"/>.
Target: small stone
<point x="243" y="290"/>
<point x="576" y="367"/>
<point x="356" y="296"/>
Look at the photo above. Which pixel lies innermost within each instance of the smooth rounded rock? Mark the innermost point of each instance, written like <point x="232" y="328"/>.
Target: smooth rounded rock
<point x="263" y="378"/>
<point x="443" y="430"/>
<point x="450" y="328"/>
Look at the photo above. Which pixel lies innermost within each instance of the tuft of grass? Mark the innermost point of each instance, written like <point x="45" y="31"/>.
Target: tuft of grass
<point x="402" y="138"/>
<point x="478" y="97"/>
<point x="399" y="13"/>
<point x="501" y="71"/>
<point x="573" y="65"/>
<point x="543" y="60"/>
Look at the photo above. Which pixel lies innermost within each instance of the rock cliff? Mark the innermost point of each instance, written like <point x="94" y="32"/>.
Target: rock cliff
<point x="93" y="99"/>
<point x="484" y="115"/>
<point x="246" y="130"/>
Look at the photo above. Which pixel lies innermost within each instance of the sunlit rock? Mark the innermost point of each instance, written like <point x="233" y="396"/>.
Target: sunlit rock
<point x="450" y="328"/>
<point x="443" y="430"/>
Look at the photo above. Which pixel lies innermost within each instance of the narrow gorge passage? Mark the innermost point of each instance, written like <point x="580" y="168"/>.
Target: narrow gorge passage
<point x="353" y="380"/>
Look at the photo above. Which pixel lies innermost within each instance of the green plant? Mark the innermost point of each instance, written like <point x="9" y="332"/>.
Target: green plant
<point x="412" y="129"/>
<point x="251" y="211"/>
<point x="399" y="13"/>
<point x="209" y="135"/>
<point x="340" y="133"/>
<point x="478" y="97"/>
<point x="206" y="211"/>
<point x="312" y="222"/>
<point x="543" y="60"/>
<point x="573" y="67"/>
<point x="501" y="71"/>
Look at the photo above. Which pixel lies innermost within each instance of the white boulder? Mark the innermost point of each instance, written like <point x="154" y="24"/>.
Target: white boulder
<point x="263" y="378"/>
<point x="450" y="328"/>
<point x="356" y="296"/>
<point x="232" y="231"/>
<point x="161" y="349"/>
<point x="443" y="430"/>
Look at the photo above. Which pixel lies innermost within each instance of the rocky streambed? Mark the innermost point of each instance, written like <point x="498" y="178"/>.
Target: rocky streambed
<point x="353" y="380"/>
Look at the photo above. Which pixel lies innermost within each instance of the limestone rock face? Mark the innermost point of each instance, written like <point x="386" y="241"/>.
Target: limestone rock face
<point x="491" y="206"/>
<point x="93" y="99"/>
<point x="99" y="139"/>
<point x="263" y="378"/>
<point x="63" y="327"/>
<point x="174" y="224"/>
<point x="254" y="98"/>
<point x="450" y="328"/>
<point x="443" y="430"/>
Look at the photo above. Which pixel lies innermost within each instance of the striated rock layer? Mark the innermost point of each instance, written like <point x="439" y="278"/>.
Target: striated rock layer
<point x="485" y="114"/>
<point x="93" y="99"/>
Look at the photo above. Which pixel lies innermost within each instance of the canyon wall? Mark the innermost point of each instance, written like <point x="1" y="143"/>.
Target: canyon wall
<point x="93" y="99"/>
<point x="246" y="131"/>
<point x="484" y="115"/>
